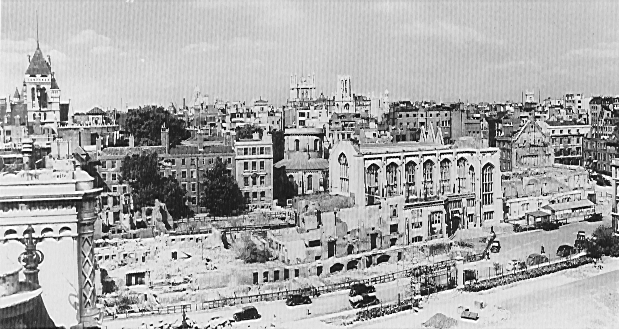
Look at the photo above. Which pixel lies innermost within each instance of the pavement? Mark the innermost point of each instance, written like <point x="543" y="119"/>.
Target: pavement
<point x="513" y="246"/>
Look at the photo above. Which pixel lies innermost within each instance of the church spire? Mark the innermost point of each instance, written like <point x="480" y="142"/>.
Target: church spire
<point x="37" y="16"/>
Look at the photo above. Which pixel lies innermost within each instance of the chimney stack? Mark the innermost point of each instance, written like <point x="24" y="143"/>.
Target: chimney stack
<point x="165" y="138"/>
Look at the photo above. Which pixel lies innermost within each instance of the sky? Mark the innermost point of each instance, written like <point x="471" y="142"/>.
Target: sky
<point x="113" y="53"/>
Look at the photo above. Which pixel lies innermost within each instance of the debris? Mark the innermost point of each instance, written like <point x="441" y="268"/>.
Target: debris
<point x="480" y="304"/>
<point x="440" y="321"/>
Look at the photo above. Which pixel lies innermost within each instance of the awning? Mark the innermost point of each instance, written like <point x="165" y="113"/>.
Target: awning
<point x="571" y="205"/>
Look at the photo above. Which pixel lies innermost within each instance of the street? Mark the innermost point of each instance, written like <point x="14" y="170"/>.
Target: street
<point x="513" y="246"/>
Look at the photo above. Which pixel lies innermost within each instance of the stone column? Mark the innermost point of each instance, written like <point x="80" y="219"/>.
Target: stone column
<point x="86" y="269"/>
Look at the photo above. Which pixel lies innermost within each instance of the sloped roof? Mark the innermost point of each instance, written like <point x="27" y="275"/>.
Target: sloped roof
<point x="96" y="111"/>
<point x="301" y="161"/>
<point x="16" y="95"/>
<point x="38" y="64"/>
<point x="570" y="205"/>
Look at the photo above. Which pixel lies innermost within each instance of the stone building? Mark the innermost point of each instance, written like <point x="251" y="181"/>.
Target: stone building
<point x="566" y="138"/>
<point x="254" y="170"/>
<point x="60" y="203"/>
<point x="529" y="147"/>
<point x="304" y="160"/>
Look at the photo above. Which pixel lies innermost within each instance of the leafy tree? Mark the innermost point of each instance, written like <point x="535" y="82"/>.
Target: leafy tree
<point x="147" y="184"/>
<point x="604" y="243"/>
<point x="145" y="124"/>
<point x="222" y="195"/>
<point x="247" y="131"/>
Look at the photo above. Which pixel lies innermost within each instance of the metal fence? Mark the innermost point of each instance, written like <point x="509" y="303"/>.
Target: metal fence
<point x="279" y="295"/>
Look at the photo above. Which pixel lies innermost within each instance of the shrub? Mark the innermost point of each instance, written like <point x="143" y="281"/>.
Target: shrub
<point x="250" y="252"/>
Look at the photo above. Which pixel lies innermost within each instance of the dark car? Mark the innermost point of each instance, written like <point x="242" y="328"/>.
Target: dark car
<point x="365" y="300"/>
<point x="594" y="218"/>
<point x="247" y="313"/>
<point x="361" y="288"/>
<point x="565" y="250"/>
<point x="298" y="299"/>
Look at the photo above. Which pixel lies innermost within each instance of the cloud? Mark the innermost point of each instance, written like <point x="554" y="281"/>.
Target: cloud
<point x="89" y="37"/>
<point x="451" y="32"/>
<point x="238" y="44"/>
<point x="95" y="43"/>
<point x="201" y="47"/>
<point x="15" y="52"/>
<point x="604" y="50"/>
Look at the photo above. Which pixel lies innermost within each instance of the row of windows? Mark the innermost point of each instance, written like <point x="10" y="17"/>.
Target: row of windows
<point x="254" y="181"/>
<point x="421" y="115"/>
<point x="253" y="165"/>
<point x="113" y="164"/>
<point x="255" y="150"/>
<point x="254" y="196"/>
<point x="566" y="140"/>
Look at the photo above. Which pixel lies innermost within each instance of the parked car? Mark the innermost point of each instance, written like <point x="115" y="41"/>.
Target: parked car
<point x="594" y="218"/>
<point x="298" y="299"/>
<point x="495" y="247"/>
<point x="246" y="313"/>
<point x="365" y="300"/>
<point x="565" y="250"/>
<point x="536" y="259"/>
<point x="361" y="288"/>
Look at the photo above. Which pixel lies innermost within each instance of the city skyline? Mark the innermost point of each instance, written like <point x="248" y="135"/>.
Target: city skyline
<point x="155" y="52"/>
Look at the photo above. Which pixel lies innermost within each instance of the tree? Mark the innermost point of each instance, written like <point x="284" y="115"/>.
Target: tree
<point x="604" y="242"/>
<point x="145" y="124"/>
<point x="222" y="195"/>
<point x="142" y="173"/>
<point x="247" y="131"/>
<point x="283" y="188"/>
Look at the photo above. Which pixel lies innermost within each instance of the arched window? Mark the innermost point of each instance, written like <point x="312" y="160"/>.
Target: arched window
<point x="343" y="173"/>
<point x="392" y="179"/>
<point x="410" y="168"/>
<point x="310" y="186"/>
<point x="486" y="185"/>
<point x="34" y="95"/>
<point x="296" y="144"/>
<point x="428" y="169"/>
<point x="371" y="179"/>
<point x="461" y="183"/>
<point x="346" y="107"/>
<point x="472" y="179"/>
<point x="445" y="176"/>
<point x="291" y="178"/>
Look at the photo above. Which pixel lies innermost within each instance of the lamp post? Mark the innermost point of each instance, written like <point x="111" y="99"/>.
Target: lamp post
<point x="31" y="258"/>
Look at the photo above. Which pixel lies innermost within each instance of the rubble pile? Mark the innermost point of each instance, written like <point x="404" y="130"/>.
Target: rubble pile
<point x="440" y="321"/>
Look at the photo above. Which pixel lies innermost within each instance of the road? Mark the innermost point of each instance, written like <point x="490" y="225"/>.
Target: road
<point x="325" y="304"/>
<point x="513" y="246"/>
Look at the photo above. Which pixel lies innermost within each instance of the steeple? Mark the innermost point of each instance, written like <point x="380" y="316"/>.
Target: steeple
<point x="37" y="15"/>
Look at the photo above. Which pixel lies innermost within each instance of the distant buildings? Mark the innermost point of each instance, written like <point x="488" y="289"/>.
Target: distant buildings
<point x="530" y="147"/>
<point x="566" y="138"/>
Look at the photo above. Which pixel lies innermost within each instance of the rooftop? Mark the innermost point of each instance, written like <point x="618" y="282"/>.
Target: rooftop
<point x="38" y="64"/>
<point x="122" y="151"/>
<point x="565" y="123"/>
<point x="301" y="161"/>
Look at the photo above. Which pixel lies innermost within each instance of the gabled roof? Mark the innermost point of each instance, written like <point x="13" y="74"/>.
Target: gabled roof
<point x="38" y="64"/>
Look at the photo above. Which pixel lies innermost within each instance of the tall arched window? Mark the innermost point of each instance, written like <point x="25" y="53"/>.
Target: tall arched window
<point x="411" y="191"/>
<point x="472" y="179"/>
<point x="343" y="173"/>
<point x="486" y="185"/>
<point x="392" y="179"/>
<point x="461" y="183"/>
<point x="310" y="184"/>
<point x="371" y="180"/>
<point x="445" y="176"/>
<point x="296" y="144"/>
<point x="428" y="169"/>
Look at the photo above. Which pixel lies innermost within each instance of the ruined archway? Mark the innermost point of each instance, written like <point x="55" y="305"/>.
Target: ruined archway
<point x="337" y="267"/>
<point x="352" y="265"/>
<point x="382" y="259"/>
